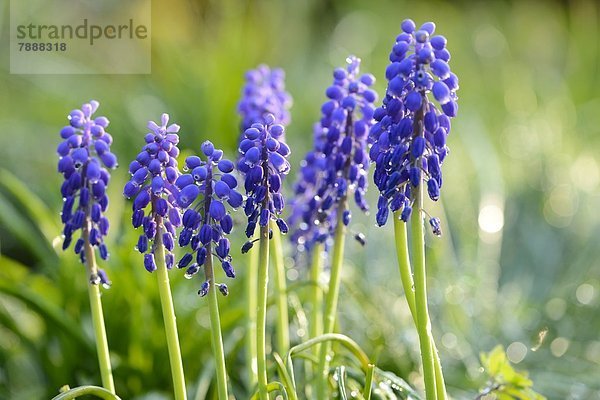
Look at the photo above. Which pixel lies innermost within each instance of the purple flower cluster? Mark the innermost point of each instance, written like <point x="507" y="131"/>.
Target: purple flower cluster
<point x="203" y="194"/>
<point x="263" y="162"/>
<point x="153" y="176"/>
<point x="264" y="93"/>
<point x="338" y="164"/>
<point x="409" y="138"/>
<point x="84" y="159"/>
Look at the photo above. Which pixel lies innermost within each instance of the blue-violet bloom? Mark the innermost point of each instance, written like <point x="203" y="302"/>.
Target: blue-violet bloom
<point x="409" y="138"/>
<point x="337" y="166"/>
<point x="204" y="190"/>
<point x="263" y="162"/>
<point x="152" y="185"/>
<point x="85" y="158"/>
<point x="264" y="93"/>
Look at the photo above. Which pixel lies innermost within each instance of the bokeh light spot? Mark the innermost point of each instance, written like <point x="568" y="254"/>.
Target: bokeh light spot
<point x="489" y="41"/>
<point x="491" y="218"/>
<point x="559" y="346"/>
<point x="449" y="340"/>
<point x="585" y="293"/>
<point x="585" y="173"/>
<point x="516" y="352"/>
<point x="555" y="308"/>
<point x="561" y="205"/>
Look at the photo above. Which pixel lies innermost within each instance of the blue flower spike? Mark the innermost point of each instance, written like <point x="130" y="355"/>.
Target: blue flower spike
<point x="337" y="166"/>
<point x="85" y="159"/>
<point x="152" y="188"/>
<point x="264" y="93"/>
<point x="206" y="192"/>
<point x="263" y="163"/>
<point x="413" y="123"/>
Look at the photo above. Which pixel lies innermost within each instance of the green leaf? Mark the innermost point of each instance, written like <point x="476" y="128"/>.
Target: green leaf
<point x="288" y="382"/>
<point x="340" y="377"/>
<point x="22" y="229"/>
<point x="20" y="289"/>
<point x="45" y="220"/>
<point x="96" y="391"/>
<point x="494" y="361"/>
<point x="510" y="384"/>
<point x="397" y="384"/>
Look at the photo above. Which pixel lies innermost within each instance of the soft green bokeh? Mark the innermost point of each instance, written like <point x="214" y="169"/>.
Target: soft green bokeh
<point x="519" y="258"/>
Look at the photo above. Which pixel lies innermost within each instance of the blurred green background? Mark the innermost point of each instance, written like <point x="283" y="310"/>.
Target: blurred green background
<point x="518" y="264"/>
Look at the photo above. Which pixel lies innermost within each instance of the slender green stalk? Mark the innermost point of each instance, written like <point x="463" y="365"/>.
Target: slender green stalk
<point x="261" y="312"/>
<point x="316" y="301"/>
<point x="168" y="311"/>
<point x="251" y="301"/>
<point x="368" y="382"/>
<point x="408" y="285"/>
<point x="423" y="324"/>
<point x="440" y="384"/>
<point x="331" y="300"/>
<point x="283" y="327"/>
<point x="404" y="263"/>
<point x="97" y="314"/>
<point x="316" y="294"/>
<point x="215" y="328"/>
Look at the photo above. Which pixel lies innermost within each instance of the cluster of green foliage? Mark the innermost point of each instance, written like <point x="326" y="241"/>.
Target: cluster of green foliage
<point x="505" y="383"/>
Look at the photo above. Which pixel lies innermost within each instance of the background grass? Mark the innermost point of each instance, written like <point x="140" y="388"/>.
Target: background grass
<point x="519" y="206"/>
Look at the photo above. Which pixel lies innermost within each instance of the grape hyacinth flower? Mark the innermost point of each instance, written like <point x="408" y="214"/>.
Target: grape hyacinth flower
<point x="85" y="158"/>
<point x="264" y="164"/>
<point x="264" y="93"/>
<point x="408" y="148"/>
<point x="409" y="138"/>
<point x="152" y="185"/>
<point x="204" y="190"/>
<point x="337" y="167"/>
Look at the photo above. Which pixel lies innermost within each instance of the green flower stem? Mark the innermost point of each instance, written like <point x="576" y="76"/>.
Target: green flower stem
<point x="332" y="299"/>
<point x="404" y="263"/>
<point x="440" y="384"/>
<point x="168" y="311"/>
<point x="423" y="324"/>
<point x="316" y="295"/>
<point x="251" y="301"/>
<point x="315" y="327"/>
<point x="261" y="312"/>
<point x="369" y="382"/>
<point x="408" y="285"/>
<point x="101" y="393"/>
<point x="283" y="328"/>
<point x="215" y="328"/>
<point x="316" y="298"/>
<point x="97" y="314"/>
